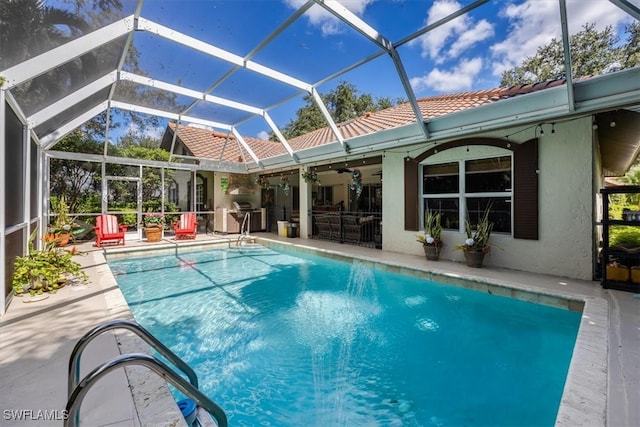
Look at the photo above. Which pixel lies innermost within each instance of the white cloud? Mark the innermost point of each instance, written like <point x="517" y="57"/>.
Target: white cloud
<point x="151" y="132"/>
<point x="533" y="23"/>
<point x="460" y="34"/>
<point x="482" y="31"/>
<point x="263" y="135"/>
<point x="199" y="126"/>
<point x="459" y="78"/>
<point x="319" y="17"/>
<point x="156" y="132"/>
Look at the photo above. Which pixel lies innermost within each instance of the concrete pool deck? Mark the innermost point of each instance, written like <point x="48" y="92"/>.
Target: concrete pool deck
<point x="36" y="340"/>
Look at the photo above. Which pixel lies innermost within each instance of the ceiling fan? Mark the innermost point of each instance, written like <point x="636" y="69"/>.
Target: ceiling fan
<point x="343" y="170"/>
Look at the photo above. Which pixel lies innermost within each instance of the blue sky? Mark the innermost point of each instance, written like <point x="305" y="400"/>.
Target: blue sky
<point x="468" y="53"/>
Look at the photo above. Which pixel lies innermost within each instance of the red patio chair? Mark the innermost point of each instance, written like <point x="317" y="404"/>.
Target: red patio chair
<point x="186" y="227"/>
<point x="108" y="230"/>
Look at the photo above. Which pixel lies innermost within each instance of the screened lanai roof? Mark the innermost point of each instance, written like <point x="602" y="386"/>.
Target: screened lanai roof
<point x="242" y="69"/>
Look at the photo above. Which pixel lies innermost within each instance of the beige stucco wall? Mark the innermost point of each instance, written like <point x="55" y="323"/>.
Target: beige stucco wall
<point x="565" y="207"/>
<point x="223" y="200"/>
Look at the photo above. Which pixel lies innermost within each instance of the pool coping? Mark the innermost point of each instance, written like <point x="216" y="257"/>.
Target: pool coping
<point x="584" y="397"/>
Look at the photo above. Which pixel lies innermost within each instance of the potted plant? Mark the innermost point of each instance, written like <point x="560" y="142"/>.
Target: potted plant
<point x="431" y="240"/>
<point x="60" y="231"/>
<point x="310" y="176"/>
<point x="153" y="223"/>
<point x="285" y="185"/>
<point x="42" y="271"/>
<point x="476" y="246"/>
<point x="356" y="182"/>
<point x="263" y="182"/>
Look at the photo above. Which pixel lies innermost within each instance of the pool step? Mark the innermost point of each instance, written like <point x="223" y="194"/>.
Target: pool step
<point x="204" y="419"/>
<point x="249" y="247"/>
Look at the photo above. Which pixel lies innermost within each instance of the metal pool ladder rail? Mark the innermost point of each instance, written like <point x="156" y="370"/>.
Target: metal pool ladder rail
<point x="76" y="390"/>
<point x="244" y="234"/>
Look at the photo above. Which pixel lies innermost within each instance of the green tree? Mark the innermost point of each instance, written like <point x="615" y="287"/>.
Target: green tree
<point x="343" y="103"/>
<point x="631" y="52"/>
<point x="592" y="53"/>
<point x="632" y="177"/>
<point x="73" y="179"/>
<point x="151" y="176"/>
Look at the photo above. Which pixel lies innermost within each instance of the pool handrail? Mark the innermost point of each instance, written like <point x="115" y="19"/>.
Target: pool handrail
<point x="76" y="353"/>
<point x="76" y="397"/>
<point x="244" y="233"/>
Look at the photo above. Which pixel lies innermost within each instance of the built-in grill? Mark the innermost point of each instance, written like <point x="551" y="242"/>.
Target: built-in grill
<point x="241" y="207"/>
<point x="230" y="220"/>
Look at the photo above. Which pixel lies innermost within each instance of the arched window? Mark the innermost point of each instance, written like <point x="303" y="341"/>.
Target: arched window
<point x="462" y="184"/>
<point x="465" y="188"/>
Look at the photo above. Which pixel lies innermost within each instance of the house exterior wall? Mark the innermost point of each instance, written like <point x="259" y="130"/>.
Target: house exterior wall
<point x="182" y="178"/>
<point x="566" y="188"/>
<point x="224" y="200"/>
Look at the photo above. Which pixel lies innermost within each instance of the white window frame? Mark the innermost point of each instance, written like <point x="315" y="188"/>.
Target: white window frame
<point x="462" y="194"/>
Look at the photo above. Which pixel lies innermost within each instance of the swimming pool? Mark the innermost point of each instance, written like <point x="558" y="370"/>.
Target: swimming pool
<point x="289" y="339"/>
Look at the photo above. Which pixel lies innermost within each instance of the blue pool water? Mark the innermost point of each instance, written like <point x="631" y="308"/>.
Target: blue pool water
<point x="289" y="339"/>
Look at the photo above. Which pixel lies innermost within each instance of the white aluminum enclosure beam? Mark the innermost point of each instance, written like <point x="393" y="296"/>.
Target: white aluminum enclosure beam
<point x="3" y="192"/>
<point x="245" y="145"/>
<point x="631" y="9"/>
<point x="366" y="30"/>
<point x="99" y="158"/>
<point x="121" y="62"/>
<point x="49" y="140"/>
<point x="568" y="71"/>
<point x="355" y="22"/>
<point x="144" y="110"/>
<point x="440" y="22"/>
<point x="349" y="68"/>
<point x="180" y="90"/>
<point x="327" y="117"/>
<point x="233" y="104"/>
<point x="46" y="61"/>
<point x="280" y="137"/>
<point x="216" y="52"/>
<point x="72" y="99"/>
<point x="409" y="91"/>
<point x="28" y="187"/>
<point x="168" y="115"/>
<point x="292" y="19"/>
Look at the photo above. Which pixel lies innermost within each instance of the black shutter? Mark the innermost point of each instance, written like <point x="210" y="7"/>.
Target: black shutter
<point x="525" y="190"/>
<point x="410" y="194"/>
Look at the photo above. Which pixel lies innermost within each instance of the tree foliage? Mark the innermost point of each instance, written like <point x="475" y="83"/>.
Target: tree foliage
<point x="80" y="182"/>
<point x="31" y="27"/>
<point x="75" y="180"/>
<point x="343" y="103"/>
<point x="593" y="52"/>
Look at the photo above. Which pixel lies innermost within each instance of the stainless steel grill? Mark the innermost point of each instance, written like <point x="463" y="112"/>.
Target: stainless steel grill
<point x="242" y="206"/>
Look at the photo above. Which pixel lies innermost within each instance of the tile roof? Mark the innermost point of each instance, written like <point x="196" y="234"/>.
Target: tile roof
<point x="220" y="146"/>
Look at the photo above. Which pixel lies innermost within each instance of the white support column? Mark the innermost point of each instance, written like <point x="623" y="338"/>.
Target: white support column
<point x="26" y="199"/>
<point x="568" y="72"/>
<point x="139" y="201"/>
<point x="304" y="230"/>
<point x="3" y="192"/>
<point x="43" y="191"/>
<point x="104" y="198"/>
